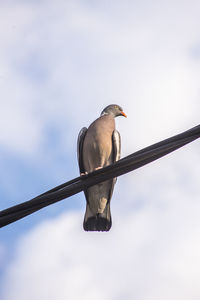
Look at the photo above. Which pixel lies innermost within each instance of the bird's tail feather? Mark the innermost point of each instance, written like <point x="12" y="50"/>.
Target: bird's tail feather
<point x="99" y="222"/>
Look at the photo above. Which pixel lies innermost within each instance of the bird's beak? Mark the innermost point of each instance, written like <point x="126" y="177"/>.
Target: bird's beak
<point x="123" y="114"/>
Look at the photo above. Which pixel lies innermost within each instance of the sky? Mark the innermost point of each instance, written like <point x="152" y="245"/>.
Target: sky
<point x="61" y="63"/>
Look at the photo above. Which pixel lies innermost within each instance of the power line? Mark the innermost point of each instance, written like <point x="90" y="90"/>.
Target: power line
<point x="76" y="185"/>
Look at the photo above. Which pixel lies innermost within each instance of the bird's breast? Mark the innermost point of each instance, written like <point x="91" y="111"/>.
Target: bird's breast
<point x="97" y="147"/>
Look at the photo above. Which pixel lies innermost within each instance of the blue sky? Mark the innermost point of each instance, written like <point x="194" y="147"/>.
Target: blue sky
<point x="61" y="63"/>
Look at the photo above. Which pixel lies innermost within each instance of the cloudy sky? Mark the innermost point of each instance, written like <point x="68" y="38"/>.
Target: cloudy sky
<point x="61" y="63"/>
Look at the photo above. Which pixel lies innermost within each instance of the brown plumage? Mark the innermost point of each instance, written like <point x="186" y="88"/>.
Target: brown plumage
<point x="98" y="147"/>
<point x="98" y="143"/>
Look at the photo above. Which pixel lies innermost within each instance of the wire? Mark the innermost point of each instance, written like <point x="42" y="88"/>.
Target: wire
<point x="76" y="185"/>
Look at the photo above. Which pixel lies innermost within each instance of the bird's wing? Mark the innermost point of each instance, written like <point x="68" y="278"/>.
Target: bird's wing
<point x="116" y="145"/>
<point x="80" y="141"/>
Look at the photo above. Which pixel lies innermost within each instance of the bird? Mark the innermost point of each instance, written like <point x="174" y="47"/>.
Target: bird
<point x="97" y="147"/>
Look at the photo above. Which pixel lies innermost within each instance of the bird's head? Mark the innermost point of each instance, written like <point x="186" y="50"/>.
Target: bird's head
<point x="114" y="110"/>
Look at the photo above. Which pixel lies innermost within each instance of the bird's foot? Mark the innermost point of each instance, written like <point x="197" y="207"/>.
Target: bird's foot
<point x="82" y="174"/>
<point x="98" y="168"/>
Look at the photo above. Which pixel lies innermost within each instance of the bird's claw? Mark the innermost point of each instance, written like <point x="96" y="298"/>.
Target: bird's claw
<point x="98" y="168"/>
<point x="82" y="174"/>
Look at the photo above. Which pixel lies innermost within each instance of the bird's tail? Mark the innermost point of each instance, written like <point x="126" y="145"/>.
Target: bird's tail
<point x="99" y="222"/>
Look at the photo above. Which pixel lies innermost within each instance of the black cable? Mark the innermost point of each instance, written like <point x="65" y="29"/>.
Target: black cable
<point x="76" y="185"/>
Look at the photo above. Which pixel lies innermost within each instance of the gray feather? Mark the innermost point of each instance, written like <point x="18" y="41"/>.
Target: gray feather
<point x="98" y="146"/>
<point x="80" y="141"/>
<point x="116" y="140"/>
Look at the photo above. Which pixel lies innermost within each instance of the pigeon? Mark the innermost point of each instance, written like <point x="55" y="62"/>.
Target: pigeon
<point x="97" y="147"/>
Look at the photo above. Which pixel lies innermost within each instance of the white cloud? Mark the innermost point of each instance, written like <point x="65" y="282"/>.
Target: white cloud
<point x="150" y="252"/>
<point x="62" y="62"/>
